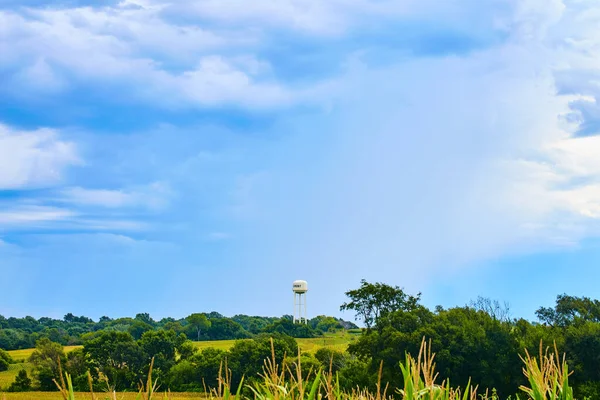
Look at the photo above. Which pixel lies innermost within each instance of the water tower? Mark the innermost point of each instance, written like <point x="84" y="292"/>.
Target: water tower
<point x="300" y="288"/>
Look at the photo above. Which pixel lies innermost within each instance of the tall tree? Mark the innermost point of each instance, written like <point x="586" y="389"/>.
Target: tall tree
<point x="570" y="310"/>
<point x="117" y="355"/>
<point x="45" y="359"/>
<point x="500" y="312"/>
<point x="199" y="323"/>
<point x="372" y="301"/>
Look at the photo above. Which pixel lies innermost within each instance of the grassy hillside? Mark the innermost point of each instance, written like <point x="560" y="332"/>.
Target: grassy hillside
<point x="8" y="377"/>
<point x="338" y="341"/>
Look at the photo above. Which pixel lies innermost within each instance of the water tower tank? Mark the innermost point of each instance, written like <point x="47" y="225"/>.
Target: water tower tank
<point x="300" y="287"/>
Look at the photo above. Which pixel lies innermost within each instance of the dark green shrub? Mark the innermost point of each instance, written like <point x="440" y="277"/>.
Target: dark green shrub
<point x="22" y="383"/>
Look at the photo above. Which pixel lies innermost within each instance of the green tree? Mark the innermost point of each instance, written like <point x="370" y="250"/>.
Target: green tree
<point x="45" y="359"/>
<point x="162" y="346"/>
<point x="77" y="367"/>
<point x="372" y="301"/>
<point x="187" y="350"/>
<point x="199" y="323"/>
<point x="183" y="377"/>
<point x="330" y="358"/>
<point x="5" y="360"/>
<point x="22" y="383"/>
<point x="118" y="356"/>
<point x="208" y="362"/>
<point x="145" y="318"/>
<point x="287" y="327"/>
<point x="246" y="357"/>
<point x="325" y="324"/>
<point x="138" y="328"/>
<point x="582" y="347"/>
<point x="570" y="310"/>
<point x="226" y="328"/>
<point x="355" y="373"/>
<point x="469" y="345"/>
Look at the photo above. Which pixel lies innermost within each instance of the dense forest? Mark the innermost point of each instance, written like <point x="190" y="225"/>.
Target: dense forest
<point x="479" y="343"/>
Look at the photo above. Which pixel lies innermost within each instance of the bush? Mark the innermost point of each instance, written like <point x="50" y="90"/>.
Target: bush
<point x="287" y="327"/>
<point x="5" y="360"/>
<point x="331" y="358"/>
<point x="3" y="365"/>
<point x="22" y="383"/>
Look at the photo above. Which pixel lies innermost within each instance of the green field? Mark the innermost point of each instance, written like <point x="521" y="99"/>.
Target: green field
<point x="337" y="341"/>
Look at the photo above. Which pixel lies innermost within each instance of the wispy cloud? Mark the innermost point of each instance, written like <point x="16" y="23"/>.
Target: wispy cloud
<point x="155" y="196"/>
<point x="33" y="158"/>
<point x="32" y="216"/>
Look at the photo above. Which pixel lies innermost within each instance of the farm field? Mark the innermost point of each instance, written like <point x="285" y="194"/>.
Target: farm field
<point x="338" y="341"/>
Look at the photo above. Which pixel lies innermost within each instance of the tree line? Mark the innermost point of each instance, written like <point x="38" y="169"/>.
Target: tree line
<point x="23" y="333"/>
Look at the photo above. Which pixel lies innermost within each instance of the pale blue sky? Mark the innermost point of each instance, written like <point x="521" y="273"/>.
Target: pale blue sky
<point x="175" y="157"/>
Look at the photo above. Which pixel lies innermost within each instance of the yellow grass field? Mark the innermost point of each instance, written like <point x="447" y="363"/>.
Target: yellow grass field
<point x="8" y="377"/>
<point x="23" y="355"/>
<point x="336" y="341"/>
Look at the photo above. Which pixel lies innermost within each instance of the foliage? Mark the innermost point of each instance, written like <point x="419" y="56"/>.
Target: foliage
<point x="117" y="356"/>
<point x="23" y="333"/>
<point x="324" y="323"/>
<point x="5" y="360"/>
<point x="372" y="301"/>
<point x="246" y="356"/>
<point x="570" y="310"/>
<point x="331" y="359"/>
<point x="225" y="328"/>
<point x="22" y="383"/>
<point x="287" y="327"/>
<point x="45" y="360"/>
<point x="199" y="323"/>
<point x="138" y="328"/>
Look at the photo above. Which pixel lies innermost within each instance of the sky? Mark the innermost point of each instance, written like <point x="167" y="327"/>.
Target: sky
<point x="190" y="156"/>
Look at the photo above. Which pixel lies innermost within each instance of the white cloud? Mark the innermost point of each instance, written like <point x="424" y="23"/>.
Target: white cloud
<point x="155" y="196"/>
<point x="30" y="215"/>
<point x="33" y="158"/>
<point x="166" y="64"/>
<point x="564" y="178"/>
<point x="40" y="217"/>
<point x="216" y="81"/>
